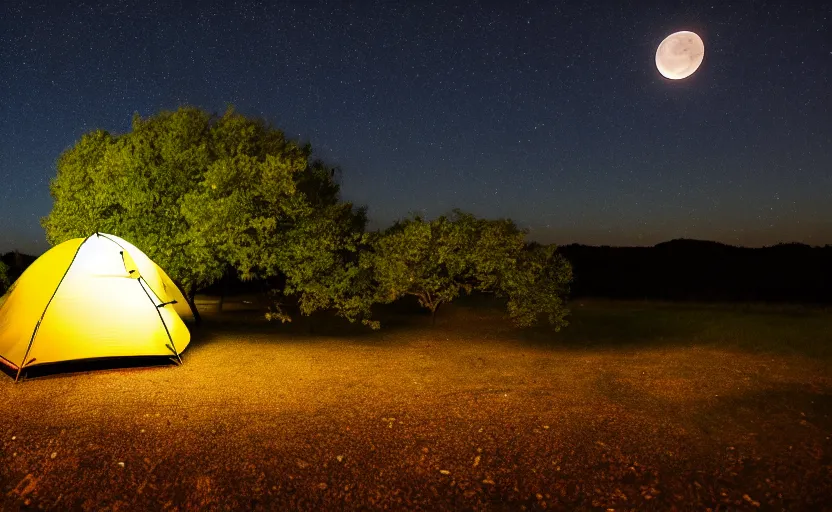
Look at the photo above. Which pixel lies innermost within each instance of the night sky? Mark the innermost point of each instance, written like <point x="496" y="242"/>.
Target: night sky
<point x="551" y="113"/>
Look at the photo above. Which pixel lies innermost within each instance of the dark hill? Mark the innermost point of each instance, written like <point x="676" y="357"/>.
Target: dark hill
<point x="685" y="269"/>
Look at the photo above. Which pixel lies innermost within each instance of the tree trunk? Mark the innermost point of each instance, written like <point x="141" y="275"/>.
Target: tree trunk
<point x="433" y="314"/>
<point x="191" y="298"/>
<point x="223" y="286"/>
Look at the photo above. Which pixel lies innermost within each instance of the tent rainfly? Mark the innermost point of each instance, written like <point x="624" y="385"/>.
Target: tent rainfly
<point x="90" y="298"/>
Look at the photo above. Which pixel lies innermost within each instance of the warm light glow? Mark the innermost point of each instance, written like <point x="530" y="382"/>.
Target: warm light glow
<point x="104" y="306"/>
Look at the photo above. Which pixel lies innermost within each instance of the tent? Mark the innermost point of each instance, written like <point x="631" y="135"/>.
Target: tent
<point x="90" y="298"/>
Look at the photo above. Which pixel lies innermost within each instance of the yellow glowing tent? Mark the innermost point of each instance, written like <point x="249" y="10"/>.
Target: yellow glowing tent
<point x="91" y="298"/>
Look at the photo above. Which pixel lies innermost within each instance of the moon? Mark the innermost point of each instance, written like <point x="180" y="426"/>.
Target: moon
<point x="680" y="55"/>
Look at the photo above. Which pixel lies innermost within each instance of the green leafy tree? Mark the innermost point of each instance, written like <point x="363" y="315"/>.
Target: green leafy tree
<point x="415" y="257"/>
<point x="4" y="277"/>
<point x="133" y="186"/>
<point x="203" y="195"/>
<point x="330" y="270"/>
<point x="437" y="260"/>
<point x="277" y="214"/>
<point x="537" y="286"/>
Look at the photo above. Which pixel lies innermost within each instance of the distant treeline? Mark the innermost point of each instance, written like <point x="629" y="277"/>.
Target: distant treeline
<point x="707" y="271"/>
<point x="675" y="270"/>
<point x="17" y="263"/>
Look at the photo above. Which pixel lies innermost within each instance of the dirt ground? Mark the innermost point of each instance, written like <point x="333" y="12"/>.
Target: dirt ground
<point x="468" y="415"/>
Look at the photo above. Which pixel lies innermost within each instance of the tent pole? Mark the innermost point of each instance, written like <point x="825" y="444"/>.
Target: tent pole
<point x="139" y="280"/>
<point x="172" y="344"/>
<point x="37" y="326"/>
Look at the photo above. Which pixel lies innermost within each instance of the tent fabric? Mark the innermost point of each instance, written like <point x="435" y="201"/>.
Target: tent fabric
<point x="158" y="280"/>
<point x="92" y="298"/>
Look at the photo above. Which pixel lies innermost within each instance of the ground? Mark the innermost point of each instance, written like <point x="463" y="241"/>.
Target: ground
<point x="635" y="406"/>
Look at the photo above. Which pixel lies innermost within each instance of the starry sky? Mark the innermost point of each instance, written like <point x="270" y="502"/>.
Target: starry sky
<point x="550" y="113"/>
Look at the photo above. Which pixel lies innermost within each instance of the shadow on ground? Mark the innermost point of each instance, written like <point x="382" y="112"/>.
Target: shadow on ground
<point x="593" y="324"/>
<point x="755" y="328"/>
<point x="68" y="368"/>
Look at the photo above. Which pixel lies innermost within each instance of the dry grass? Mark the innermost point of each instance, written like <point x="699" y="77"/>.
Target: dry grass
<point x="635" y="406"/>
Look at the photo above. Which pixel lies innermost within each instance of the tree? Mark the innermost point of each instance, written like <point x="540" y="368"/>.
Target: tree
<point x="332" y="270"/>
<point x="203" y="195"/>
<point x="538" y="285"/>
<point x="132" y="186"/>
<point x="4" y="277"/>
<point x="436" y="261"/>
<point x="416" y="257"/>
<point x="279" y="215"/>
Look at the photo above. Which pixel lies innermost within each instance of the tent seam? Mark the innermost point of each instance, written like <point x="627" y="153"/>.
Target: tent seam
<point x="179" y="289"/>
<point x="43" y="314"/>
<point x="155" y="306"/>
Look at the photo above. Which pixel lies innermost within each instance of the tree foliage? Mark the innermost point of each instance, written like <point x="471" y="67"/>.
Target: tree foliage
<point x="538" y="285"/>
<point x="4" y="277"/>
<point x="423" y="259"/>
<point x="437" y="260"/>
<point x="204" y="194"/>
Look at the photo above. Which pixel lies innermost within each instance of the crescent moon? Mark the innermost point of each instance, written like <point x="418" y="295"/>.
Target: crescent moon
<point x="679" y="55"/>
